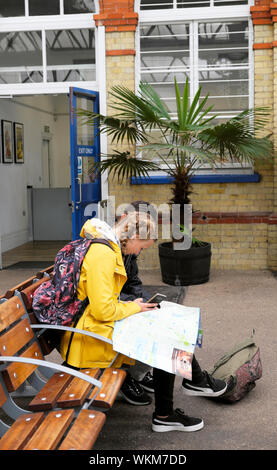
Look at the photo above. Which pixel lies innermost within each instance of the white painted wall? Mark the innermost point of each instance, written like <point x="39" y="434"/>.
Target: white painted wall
<point x="34" y="112"/>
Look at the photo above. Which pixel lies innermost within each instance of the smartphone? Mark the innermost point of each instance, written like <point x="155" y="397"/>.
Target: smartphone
<point x="156" y="299"/>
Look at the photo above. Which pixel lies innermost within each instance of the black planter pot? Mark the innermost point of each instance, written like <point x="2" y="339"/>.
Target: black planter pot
<point x="185" y="267"/>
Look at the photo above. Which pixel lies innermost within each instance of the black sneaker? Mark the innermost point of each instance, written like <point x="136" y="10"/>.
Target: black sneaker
<point x="133" y="392"/>
<point x="177" y="421"/>
<point x="208" y="387"/>
<point x="148" y="382"/>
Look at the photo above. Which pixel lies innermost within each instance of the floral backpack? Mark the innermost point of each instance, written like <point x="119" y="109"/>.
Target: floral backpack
<point x="240" y="367"/>
<point x="55" y="301"/>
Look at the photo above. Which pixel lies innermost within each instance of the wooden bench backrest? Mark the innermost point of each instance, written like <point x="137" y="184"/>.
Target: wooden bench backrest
<point x="47" y="338"/>
<point x="16" y="338"/>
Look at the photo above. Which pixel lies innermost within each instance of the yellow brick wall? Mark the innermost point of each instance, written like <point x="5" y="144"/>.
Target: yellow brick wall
<point x="236" y="246"/>
<point x="120" y="70"/>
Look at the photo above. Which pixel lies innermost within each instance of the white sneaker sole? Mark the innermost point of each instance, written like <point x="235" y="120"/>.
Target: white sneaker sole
<point x="204" y="392"/>
<point x="175" y="427"/>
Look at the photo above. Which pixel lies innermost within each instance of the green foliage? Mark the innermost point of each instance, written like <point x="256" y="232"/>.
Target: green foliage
<point x="194" y="241"/>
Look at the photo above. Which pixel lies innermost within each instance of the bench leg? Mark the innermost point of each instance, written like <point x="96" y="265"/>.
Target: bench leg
<point x="25" y="390"/>
<point x="10" y="407"/>
<point x="36" y="381"/>
<point x="46" y="372"/>
<point x="31" y="387"/>
<point x="3" y="428"/>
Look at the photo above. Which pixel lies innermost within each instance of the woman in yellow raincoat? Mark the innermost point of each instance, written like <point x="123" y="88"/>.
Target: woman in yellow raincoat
<point x="102" y="278"/>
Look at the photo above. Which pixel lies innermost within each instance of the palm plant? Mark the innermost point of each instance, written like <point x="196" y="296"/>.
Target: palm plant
<point x="183" y="144"/>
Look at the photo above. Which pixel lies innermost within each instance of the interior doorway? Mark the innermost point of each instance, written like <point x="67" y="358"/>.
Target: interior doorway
<point x="35" y="210"/>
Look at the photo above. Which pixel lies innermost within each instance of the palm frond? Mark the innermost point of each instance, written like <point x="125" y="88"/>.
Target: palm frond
<point x="204" y="156"/>
<point x="180" y="109"/>
<point x="236" y="139"/>
<point x="148" y="94"/>
<point x="123" y="165"/>
<point x="132" y="107"/>
<point x="186" y="98"/>
<point x="118" y="129"/>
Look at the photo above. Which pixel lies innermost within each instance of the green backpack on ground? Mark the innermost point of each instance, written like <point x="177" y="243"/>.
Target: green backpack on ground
<point x="240" y="367"/>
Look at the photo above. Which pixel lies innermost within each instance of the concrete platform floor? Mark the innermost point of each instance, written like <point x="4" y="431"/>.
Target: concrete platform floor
<point x="232" y="304"/>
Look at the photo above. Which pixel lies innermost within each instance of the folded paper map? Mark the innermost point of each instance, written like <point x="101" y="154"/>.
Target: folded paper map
<point x="164" y="338"/>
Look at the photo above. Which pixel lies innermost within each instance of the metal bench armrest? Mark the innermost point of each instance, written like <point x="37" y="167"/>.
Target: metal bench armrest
<point x="52" y="365"/>
<point x="43" y="326"/>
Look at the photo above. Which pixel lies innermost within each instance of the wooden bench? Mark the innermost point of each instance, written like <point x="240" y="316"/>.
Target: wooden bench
<point x="67" y="409"/>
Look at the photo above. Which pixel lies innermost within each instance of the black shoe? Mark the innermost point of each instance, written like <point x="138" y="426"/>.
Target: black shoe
<point x="177" y="421"/>
<point x="208" y="387"/>
<point x="148" y="382"/>
<point x="133" y="392"/>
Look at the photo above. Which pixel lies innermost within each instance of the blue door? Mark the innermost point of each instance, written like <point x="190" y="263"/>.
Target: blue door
<point x="85" y="150"/>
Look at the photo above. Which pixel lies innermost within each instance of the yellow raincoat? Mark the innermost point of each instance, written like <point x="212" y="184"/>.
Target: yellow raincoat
<point x="102" y="278"/>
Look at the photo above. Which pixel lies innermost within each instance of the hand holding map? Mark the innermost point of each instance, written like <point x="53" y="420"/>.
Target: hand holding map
<point x="164" y="338"/>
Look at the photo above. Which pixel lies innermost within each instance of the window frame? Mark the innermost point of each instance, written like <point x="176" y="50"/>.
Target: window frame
<point x="191" y="16"/>
<point x="61" y="8"/>
<point x="44" y="23"/>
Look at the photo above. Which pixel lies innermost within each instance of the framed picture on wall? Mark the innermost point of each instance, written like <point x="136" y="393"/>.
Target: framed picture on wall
<point x="7" y="141"/>
<point x="18" y="132"/>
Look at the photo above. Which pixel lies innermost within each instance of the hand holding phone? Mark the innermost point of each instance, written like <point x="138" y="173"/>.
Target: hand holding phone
<point x="156" y="299"/>
<point x="145" y="306"/>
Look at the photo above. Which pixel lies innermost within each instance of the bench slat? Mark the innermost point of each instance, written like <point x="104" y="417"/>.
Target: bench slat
<point x="49" y="394"/>
<point x="21" y="431"/>
<point x="112" y="380"/>
<point x="14" y="340"/>
<point x="84" y="431"/>
<point x="10" y="311"/>
<point x="51" y="431"/>
<point x="77" y="391"/>
<point x="16" y="373"/>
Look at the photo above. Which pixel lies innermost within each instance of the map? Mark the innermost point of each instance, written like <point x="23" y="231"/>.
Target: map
<point x="164" y="338"/>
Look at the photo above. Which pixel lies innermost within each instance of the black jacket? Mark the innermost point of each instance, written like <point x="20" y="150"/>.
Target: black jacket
<point x="132" y="288"/>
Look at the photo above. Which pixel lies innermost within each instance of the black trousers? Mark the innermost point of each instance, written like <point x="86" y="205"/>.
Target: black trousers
<point x="164" y="387"/>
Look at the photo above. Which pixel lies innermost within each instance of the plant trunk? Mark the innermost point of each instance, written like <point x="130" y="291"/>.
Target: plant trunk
<point x="181" y="192"/>
<point x="182" y="188"/>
